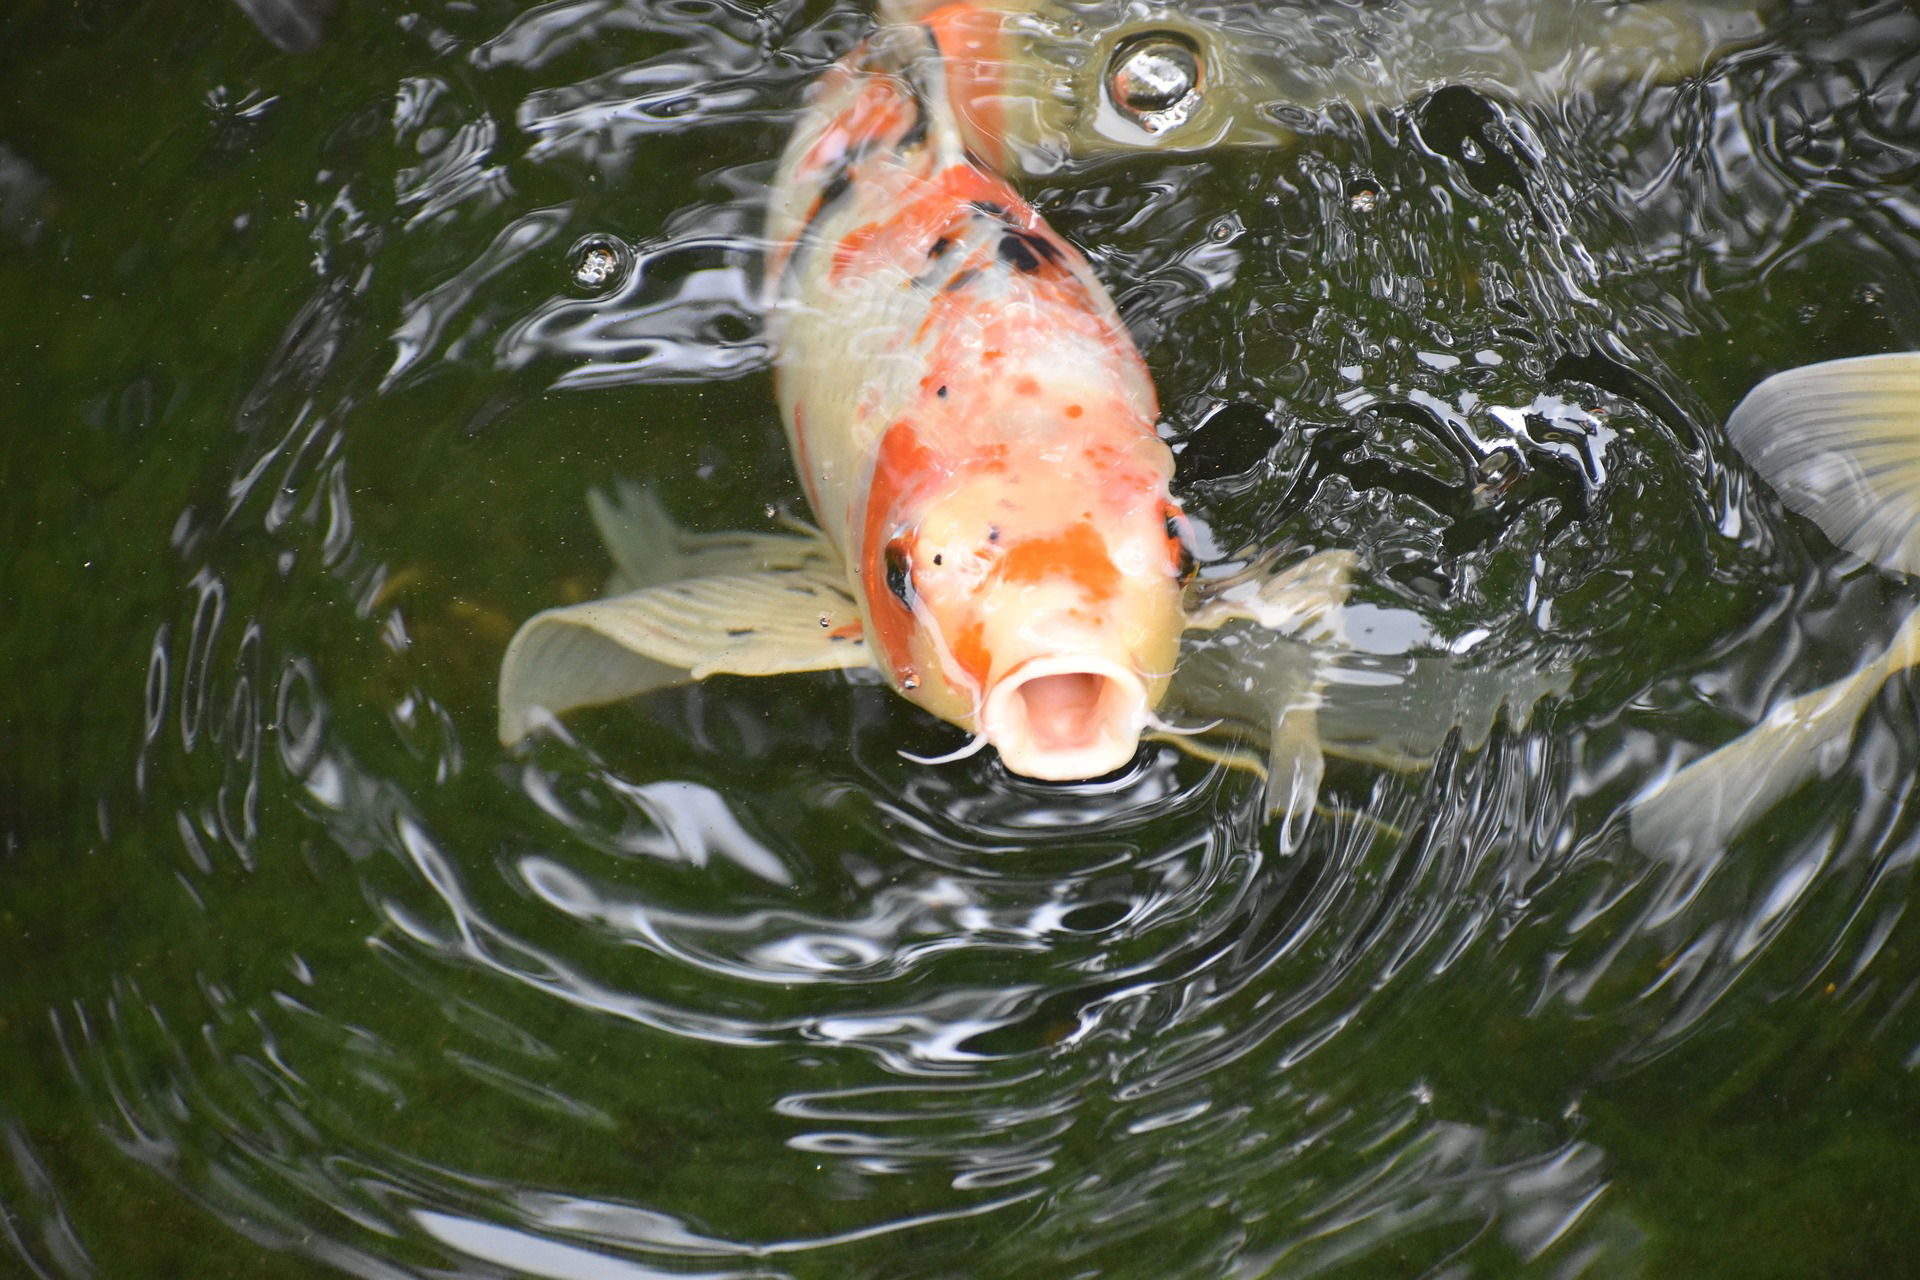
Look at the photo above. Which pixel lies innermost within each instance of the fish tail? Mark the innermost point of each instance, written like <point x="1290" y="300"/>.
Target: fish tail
<point x="1840" y="443"/>
<point x="1697" y="810"/>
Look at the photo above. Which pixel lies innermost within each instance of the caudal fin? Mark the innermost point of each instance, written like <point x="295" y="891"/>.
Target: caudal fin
<point x="1706" y="804"/>
<point x="1840" y="442"/>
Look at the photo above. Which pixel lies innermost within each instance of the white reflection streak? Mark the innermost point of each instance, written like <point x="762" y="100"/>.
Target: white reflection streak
<point x="524" y="1253"/>
<point x="528" y="1254"/>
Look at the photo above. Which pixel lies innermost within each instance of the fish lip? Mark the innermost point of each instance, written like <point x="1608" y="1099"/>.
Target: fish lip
<point x="1108" y="733"/>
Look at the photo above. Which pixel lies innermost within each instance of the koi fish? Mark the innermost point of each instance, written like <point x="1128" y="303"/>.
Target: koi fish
<point x="1840" y="443"/>
<point x="974" y="429"/>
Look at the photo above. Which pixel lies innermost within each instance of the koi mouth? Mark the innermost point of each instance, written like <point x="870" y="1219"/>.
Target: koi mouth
<point x="1066" y="718"/>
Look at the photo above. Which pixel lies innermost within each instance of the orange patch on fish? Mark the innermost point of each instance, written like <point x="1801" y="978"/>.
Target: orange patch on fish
<point x="971" y="44"/>
<point x="1077" y="553"/>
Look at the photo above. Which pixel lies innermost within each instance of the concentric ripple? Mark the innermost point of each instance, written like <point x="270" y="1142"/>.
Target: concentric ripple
<point x="721" y="984"/>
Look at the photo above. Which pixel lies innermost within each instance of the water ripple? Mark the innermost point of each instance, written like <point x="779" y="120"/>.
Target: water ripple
<point x="721" y="984"/>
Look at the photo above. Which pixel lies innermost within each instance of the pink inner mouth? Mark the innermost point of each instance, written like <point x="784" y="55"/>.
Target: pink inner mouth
<point x="1063" y="711"/>
<point x="1067" y="718"/>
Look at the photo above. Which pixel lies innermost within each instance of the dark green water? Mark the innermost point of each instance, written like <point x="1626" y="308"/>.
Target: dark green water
<point x="300" y="974"/>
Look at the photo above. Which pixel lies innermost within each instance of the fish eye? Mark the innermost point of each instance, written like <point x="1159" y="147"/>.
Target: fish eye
<point x="899" y="566"/>
<point x="1176" y="534"/>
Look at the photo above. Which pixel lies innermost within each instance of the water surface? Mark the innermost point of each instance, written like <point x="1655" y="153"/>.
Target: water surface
<point x="305" y="976"/>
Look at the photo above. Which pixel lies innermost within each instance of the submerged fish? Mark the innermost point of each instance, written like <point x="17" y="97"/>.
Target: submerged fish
<point x="1840" y="443"/>
<point x="1109" y="76"/>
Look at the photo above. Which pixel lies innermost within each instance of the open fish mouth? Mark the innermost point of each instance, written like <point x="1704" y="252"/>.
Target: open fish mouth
<point x="1066" y="717"/>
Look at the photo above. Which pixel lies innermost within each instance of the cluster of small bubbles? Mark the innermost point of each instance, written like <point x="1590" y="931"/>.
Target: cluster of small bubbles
<point x="599" y="263"/>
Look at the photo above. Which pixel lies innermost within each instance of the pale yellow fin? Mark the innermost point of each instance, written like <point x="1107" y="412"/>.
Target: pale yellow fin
<point x="1395" y="711"/>
<point x="1303" y="599"/>
<point x="648" y="548"/>
<point x="1701" y="807"/>
<point x="1263" y="672"/>
<point x="766" y="622"/>
<point x="1290" y="770"/>
<point x="1840" y="442"/>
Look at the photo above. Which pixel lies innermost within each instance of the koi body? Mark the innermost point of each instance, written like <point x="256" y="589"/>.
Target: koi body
<point x="971" y="420"/>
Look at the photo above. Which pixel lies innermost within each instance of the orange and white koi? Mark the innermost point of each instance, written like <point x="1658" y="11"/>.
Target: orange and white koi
<point x="975" y="431"/>
<point x="972" y="421"/>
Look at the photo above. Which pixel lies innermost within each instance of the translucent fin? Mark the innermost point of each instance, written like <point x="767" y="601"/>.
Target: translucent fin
<point x="1262" y="686"/>
<point x="1260" y="672"/>
<point x="649" y="549"/>
<point x="1395" y="711"/>
<point x="1840" y="441"/>
<point x="1704" y="805"/>
<point x="1303" y="599"/>
<point x="768" y="622"/>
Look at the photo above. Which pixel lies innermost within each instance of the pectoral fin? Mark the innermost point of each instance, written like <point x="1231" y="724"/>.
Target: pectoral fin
<point x="1710" y="801"/>
<point x="649" y="549"/>
<point x="1302" y="600"/>
<point x="1260" y="670"/>
<point x="770" y="604"/>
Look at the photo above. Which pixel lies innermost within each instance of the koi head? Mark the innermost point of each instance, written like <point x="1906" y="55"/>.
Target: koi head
<point x="1038" y="605"/>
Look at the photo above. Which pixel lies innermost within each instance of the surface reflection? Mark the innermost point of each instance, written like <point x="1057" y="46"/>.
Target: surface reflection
<point x="718" y="983"/>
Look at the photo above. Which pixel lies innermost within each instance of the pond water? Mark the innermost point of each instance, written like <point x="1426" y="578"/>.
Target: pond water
<point x="302" y="974"/>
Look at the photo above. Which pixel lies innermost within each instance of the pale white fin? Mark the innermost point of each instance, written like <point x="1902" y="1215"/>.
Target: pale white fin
<point x="1840" y="442"/>
<point x="1264" y="686"/>
<point x="1303" y="599"/>
<point x="1395" y="711"/>
<point x="769" y="622"/>
<point x="1701" y="807"/>
<point x="1262" y="672"/>
<point x="1291" y="768"/>
<point x="648" y="548"/>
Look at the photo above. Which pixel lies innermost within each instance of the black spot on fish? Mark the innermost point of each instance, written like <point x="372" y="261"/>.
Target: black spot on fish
<point x="942" y="393"/>
<point x="1187" y="566"/>
<point x="917" y="131"/>
<point x="739" y="631"/>
<point x="939" y="247"/>
<point x="1025" y="252"/>
<point x="831" y="193"/>
<point x="993" y="533"/>
<point x="939" y="559"/>
<point x="961" y="281"/>
<point x="835" y="187"/>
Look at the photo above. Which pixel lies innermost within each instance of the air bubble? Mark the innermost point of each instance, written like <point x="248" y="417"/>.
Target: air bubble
<point x="1154" y="81"/>
<point x="599" y="263"/>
